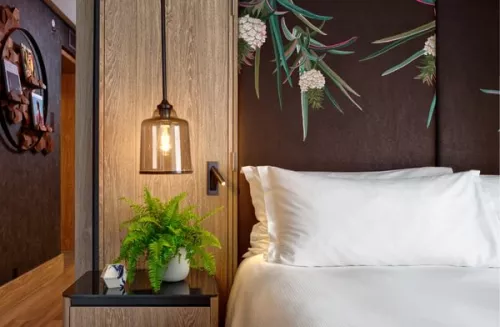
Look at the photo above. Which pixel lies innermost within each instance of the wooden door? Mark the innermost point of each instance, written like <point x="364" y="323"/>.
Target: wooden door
<point x="67" y="153"/>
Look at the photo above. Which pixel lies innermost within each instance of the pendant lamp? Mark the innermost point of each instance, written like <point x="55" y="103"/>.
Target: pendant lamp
<point x="165" y="137"/>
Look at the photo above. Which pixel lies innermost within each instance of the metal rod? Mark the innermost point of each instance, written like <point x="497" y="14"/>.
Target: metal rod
<point x="164" y="48"/>
<point x="215" y="172"/>
<point x="95" y="139"/>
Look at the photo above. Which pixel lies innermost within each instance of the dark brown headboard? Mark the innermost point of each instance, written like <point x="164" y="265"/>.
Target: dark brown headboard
<point x="391" y="133"/>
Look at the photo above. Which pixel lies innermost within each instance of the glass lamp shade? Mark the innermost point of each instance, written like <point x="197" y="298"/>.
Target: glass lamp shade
<point x="165" y="145"/>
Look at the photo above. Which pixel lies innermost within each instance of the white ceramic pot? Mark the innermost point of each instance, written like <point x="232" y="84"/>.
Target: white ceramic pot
<point x="178" y="268"/>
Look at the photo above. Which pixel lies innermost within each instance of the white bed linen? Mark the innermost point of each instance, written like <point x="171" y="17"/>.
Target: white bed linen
<point x="259" y="238"/>
<point x="321" y="221"/>
<point x="267" y="294"/>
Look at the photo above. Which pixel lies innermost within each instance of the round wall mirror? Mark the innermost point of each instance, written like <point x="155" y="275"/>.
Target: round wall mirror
<point x="24" y="95"/>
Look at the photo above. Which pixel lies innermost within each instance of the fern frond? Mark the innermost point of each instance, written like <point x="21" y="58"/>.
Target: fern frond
<point x="132" y="237"/>
<point x="134" y="253"/>
<point x="137" y="208"/>
<point x="188" y="215"/>
<point x="209" y="214"/>
<point x="153" y="204"/>
<point x="172" y="207"/>
<point x="158" y="230"/>
<point x="175" y="231"/>
<point x="206" y="262"/>
<point x="132" y="268"/>
<point x="149" y="219"/>
<point x="155" y="265"/>
<point x="209" y="239"/>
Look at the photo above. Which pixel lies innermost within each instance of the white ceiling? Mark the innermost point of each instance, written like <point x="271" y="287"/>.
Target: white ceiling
<point x="67" y="7"/>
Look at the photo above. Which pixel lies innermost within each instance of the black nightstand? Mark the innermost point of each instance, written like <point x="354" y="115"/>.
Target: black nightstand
<point x="193" y="302"/>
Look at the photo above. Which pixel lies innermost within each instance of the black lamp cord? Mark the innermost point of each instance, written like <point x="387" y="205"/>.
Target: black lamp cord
<point x="164" y="107"/>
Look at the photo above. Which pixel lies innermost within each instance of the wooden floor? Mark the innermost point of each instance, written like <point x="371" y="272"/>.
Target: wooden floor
<point x="45" y="306"/>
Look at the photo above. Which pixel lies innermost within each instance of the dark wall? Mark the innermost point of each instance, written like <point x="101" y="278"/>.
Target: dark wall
<point x="468" y="54"/>
<point x="391" y="132"/>
<point x="30" y="184"/>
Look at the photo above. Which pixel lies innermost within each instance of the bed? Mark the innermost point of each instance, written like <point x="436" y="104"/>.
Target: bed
<point x="413" y="247"/>
<point x="267" y="294"/>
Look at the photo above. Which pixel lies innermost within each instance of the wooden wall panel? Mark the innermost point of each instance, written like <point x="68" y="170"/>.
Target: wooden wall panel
<point x="121" y="106"/>
<point x="83" y="138"/>
<point x="200" y="75"/>
<point x="200" y="79"/>
<point x="233" y="147"/>
<point x="68" y="162"/>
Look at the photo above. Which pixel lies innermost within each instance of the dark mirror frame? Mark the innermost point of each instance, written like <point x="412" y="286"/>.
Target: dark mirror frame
<point x="15" y="146"/>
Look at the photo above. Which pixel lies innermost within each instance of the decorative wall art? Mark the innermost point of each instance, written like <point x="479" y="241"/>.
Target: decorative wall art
<point x="427" y="53"/>
<point x="279" y="39"/>
<point x="37" y="116"/>
<point x="301" y="52"/>
<point x="11" y="77"/>
<point x="23" y="99"/>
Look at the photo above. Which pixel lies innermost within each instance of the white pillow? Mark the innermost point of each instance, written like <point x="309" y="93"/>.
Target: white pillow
<point x="259" y="238"/>
<point x="325" y="221"/>
<point x="491" y="189"/>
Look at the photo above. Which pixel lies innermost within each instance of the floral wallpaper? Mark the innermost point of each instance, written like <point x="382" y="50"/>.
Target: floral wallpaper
<point x="427" y="53"/>
<point x="301" y="48"/>
<point x="298" y="51"/>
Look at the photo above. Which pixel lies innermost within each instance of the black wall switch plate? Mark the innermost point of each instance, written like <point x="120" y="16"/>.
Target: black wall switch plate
<point x="212" y="183"/>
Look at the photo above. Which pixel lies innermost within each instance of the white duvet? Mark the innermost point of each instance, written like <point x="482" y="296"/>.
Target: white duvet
<point x="266" y="294"/>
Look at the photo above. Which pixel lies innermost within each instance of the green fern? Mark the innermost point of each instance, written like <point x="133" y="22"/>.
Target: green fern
<point x="158" y="230"/>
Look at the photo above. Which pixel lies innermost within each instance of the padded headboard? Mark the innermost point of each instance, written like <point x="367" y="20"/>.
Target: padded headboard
<point x="391" y="132"/>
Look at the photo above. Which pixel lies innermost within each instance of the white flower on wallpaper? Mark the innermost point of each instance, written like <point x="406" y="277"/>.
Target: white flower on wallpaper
<point x="311" y="79"/>
<point x="253" y="31"/>
<point x="430" y="46"/>
<point x="296" y="50"/>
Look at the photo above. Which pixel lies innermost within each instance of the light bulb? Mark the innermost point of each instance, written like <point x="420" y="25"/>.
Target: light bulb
<point x="165" y="145"/>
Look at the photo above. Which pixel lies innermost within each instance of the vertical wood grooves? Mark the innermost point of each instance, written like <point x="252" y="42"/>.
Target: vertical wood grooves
<point x="83" y="138"/>
<point x="214" y="312"/>
<point x="120" y="108"/>
<point x="233" y="170"/>
<point x="201" y="72"/>
<point x="66" y="313"/>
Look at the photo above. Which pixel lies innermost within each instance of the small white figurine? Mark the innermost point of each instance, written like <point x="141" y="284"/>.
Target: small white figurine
<point x="115" y="276"/>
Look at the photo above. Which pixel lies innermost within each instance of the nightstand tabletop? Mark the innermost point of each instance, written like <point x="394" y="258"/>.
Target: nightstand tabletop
<point x="90" y="290"/>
